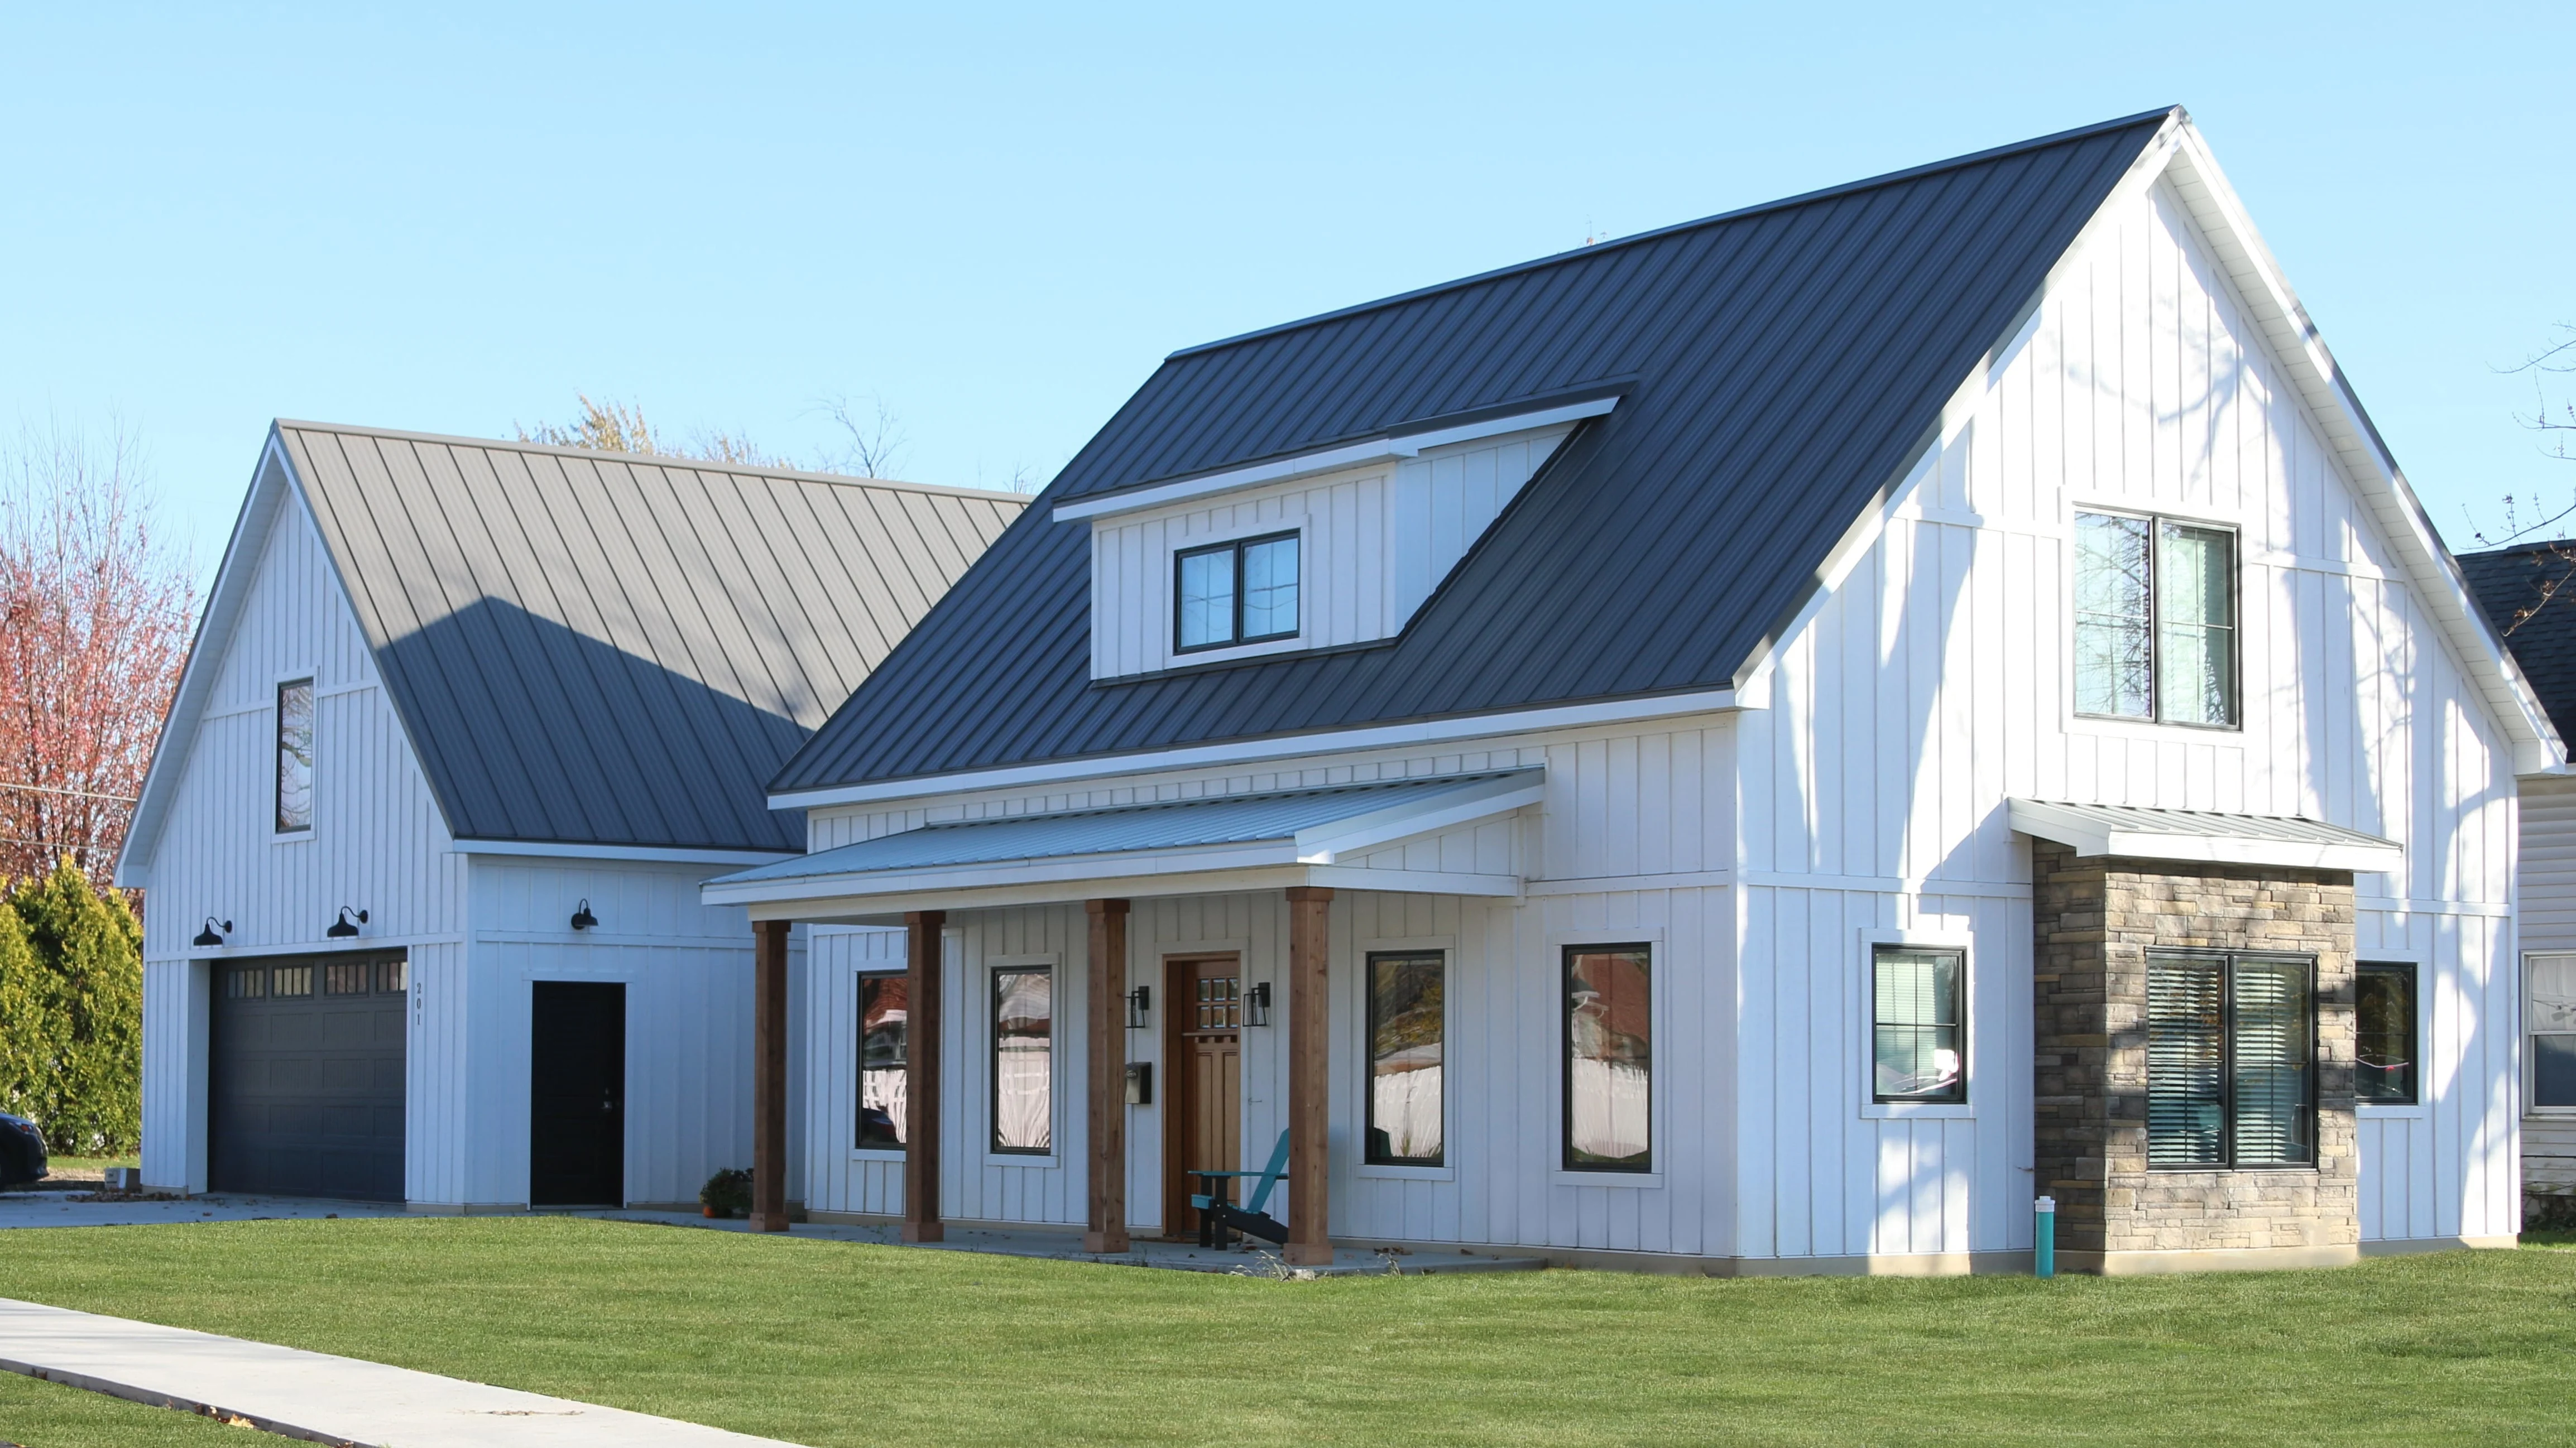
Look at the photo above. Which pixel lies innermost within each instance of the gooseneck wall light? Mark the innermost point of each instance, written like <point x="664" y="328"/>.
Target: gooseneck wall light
<point x="214" y="932"/>
<point x="582" y="919"/>
<point x="341" y="929"/>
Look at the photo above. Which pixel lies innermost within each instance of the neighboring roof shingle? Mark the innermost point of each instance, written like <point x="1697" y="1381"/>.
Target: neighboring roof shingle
<point x="2509" y="580"/>
<point x="1783" y="365"/>
<point x="610" y="649"/>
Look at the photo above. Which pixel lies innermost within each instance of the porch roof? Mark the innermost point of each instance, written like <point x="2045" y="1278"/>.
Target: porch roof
<point x="1228" y="842"/>
<point x="2204" y="835"/>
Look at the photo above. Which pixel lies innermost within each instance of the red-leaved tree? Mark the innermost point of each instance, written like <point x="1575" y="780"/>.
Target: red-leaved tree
<point x="95" y="609"/>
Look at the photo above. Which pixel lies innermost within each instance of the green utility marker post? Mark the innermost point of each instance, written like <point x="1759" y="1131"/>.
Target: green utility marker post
<point x="2043" y="1236"/>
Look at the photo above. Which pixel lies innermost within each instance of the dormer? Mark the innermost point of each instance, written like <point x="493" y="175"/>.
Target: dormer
<point x="1330" y="548"/>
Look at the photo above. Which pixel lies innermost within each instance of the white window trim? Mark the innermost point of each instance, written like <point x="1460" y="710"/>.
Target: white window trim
<point x="2158" y="729"/>
<point x="313" y="827"/>
<point x="986" y="969"/>
<point x="1447" y="1171"/>
<point x="858" y="1044"/>
<point x="2422" y="1105"/>
<point x="1659" y="1094"/>
<point x="2530" y="1058"/>
<point x="1871" y="1109"/>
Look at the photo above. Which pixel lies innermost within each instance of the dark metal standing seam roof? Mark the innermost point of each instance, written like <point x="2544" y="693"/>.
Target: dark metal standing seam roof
<point x="607" y="649"/>
<point x="1783" y="363"/>
<point x="2540" y="578"/>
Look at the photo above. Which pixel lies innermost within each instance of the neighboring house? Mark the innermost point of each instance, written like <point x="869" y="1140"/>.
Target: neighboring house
<point x="2528" y="598"/>
<point x="1762" y="746"/>
<point x="466" y="724"/>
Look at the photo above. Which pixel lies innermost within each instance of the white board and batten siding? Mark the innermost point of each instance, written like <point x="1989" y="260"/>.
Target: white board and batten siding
<point x="1373" y="543"/>
<point x="1936" y="682"/>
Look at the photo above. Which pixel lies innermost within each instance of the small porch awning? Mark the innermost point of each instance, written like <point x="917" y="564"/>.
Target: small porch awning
<point x="2203" y="835"/>
<point x="1173" y="847"/>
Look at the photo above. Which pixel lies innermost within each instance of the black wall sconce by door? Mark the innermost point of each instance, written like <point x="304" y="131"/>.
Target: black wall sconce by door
<point x="341" y="929"/>
<point x="1140" y="1003"/>
<point x="582" y="919"/>
<point x="1256" y="1004"/>
<point x="214" y="932"/>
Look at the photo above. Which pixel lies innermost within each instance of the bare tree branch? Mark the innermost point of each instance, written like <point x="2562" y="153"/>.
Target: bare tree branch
<point x="875" y="432"/>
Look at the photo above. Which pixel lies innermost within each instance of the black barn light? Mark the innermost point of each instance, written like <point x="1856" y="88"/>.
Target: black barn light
<point x="582" y="919"/>
<point x="214" y="932"/>
<point x="341" y="929"/>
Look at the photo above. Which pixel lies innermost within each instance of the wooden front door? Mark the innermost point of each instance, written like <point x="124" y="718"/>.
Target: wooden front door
<point x="1202" y="1110"/>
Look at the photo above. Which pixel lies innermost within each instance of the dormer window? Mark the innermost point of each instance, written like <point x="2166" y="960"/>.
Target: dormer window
<point x="1243" y="592"/>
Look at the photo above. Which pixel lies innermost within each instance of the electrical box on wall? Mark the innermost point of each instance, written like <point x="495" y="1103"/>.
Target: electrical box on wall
<point x="1140" y="1083"/>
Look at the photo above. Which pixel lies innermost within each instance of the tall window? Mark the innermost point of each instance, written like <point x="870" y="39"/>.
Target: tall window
<point x="2550" y="1017"/>
<point x="882" y="1012"/>
<point x="1609" y="1058"/>
<point x="1918" y="1030"/>
<point x="2231" y="1060"/>
<point x="2155" y="620"/>
<point x="1407" y="1034"/>
<point x="1024" y="1060"/>
<point x="2384" y="1033"/>
<point x="295" y="756"/>
<point x="1235" y="593"/>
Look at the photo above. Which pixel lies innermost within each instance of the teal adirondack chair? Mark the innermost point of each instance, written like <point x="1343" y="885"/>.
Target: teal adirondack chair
<point x="1217" y="1213"/>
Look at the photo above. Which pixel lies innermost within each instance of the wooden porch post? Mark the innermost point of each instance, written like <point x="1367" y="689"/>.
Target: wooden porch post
<point x="921" y="1028"/>
<point x="769" y="1076"/>
<point x="1107" y="1231"/>
<point x="1309" y="1040"/>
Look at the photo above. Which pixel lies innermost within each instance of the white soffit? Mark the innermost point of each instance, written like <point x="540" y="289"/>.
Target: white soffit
<point x="2203" y="836"/>
<point x="1332" y="459"/>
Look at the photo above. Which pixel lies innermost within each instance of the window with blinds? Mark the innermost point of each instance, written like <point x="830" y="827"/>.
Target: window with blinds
<point x="2231" y="1060"/>
<point x="1918" y="1024"/>
<point x="2549" y="1016"/>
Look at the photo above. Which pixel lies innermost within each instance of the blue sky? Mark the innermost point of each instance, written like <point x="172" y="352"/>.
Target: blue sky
<point x="998" y="219"/>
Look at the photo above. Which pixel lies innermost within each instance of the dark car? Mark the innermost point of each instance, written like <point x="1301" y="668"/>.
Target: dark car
<point x="22" y="1151"/>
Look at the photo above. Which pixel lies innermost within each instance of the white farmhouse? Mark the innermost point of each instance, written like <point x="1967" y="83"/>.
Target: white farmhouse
<point x="1764" y="746"/>
<point x="465" y="726"/>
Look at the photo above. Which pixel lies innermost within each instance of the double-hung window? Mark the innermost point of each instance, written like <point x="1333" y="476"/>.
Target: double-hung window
<point x="2155" y="620"/>
<point x="1609" y="1058"/>
<point x="295" y="757"/>
<point x="1024" y="1060"/>
<point x="1407" y="1038"/>
<point x="883" y="1002"/>
<point x="2384" y="1034"/>
<point x="1918" y="1024"/>
<point x="2549" y="1017"/>
<point x="1244" y="592"/>
<point x="2231" y="1060"/>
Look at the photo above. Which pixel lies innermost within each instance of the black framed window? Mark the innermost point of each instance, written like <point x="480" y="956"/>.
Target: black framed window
<point x="1244" y="592"/>
<point x="1024" y="1060"/>
<point x="1918" y="1024"/>
<point x="2231" y="1060"/>
<point x="295" y="756"/>
<point x="883" y="1010"/>
<point x="2155" y="620"/>
<point x="2549" y="1017"/>
<point x="1407" y="1040"/>
<point x="1609" y="1058"/>
<point x="2384" y="1033"/>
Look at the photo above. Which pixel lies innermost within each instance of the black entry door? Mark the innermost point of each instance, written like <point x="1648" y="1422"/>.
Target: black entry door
<point x="306" y="1077"/>
<point x="577" y="1135"/>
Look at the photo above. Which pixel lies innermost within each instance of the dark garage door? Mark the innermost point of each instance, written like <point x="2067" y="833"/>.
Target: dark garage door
<point x="307" y="1073"/>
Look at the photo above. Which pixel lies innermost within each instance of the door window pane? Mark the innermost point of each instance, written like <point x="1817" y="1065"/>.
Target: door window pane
<point x="1609" y="1058"/>
<point x="1406" y="1045"/>
<point x="1918" y="1039"/>
<point x="2196" y="639"/>
<point x="882" y="1014"/>
<point x="2384" y="1033"/>
<point x="2114" y="625"/>
<point x="1270" y="588"/>
<point x="2274" y="1057"/>
<point x="1023" y="1060"/>
<point x="2186" y="1062"/>
<point x="1206" y="598"/>
<point x="295" y="756"/>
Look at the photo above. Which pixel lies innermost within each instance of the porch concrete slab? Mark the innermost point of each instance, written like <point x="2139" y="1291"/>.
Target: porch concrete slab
<point x="314" y="1395"/>
<point x="64" y="1209"/>
<point x="1255" y="1259"/>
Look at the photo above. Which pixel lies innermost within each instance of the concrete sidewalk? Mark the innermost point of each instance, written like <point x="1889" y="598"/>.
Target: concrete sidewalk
<point x="313" y="1395"/>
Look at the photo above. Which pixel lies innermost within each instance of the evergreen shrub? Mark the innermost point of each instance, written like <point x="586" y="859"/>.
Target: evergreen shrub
<point x="71" y="1013"/>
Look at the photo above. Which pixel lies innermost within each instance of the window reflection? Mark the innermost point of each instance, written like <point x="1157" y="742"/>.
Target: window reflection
<point x="1023" y="1060"/>
<point x="882" y="1013"/>
<point x="1609" y="1058"/>
<point x="1406" y="1045"/>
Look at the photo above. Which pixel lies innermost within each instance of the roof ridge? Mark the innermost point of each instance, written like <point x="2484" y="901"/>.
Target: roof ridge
<point x="1804" y="198"/>
<point x="2541" y="546"/>
<point x="703" y="465"/>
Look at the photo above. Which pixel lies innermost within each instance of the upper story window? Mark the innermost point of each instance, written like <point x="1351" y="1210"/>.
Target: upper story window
<point x="2155" y="620"/>
<point x="295" y="756"/>
<point x="1244" y="592"/>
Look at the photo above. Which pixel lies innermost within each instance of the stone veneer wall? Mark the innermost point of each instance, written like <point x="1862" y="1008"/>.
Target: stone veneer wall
<point x="2096" y="918"/>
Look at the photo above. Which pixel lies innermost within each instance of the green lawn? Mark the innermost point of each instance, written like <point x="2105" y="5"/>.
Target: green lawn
<point x="49" y="1415"/>
<point x="827" y="1343"/>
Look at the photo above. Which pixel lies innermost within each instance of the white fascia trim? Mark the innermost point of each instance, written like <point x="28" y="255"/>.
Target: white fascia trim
<point x="2089" y="838"/>
<point x="1279" y="746"/>
<point x="1322" y="844"/>
<point x="1332" y="459"/>
<point x="661" y="854"/>
<point x="1135" y="865"/>
<point x="889" y="909"/>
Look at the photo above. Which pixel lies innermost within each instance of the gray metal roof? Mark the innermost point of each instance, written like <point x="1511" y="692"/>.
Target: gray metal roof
<point x="1782" y="366"/>
<point x="1165" y="825"/>
<point x="2208" y="835"/>
<point x="610" y="649"/>
<point x="2537" y="579"/>
<point x="2201" y="823"/>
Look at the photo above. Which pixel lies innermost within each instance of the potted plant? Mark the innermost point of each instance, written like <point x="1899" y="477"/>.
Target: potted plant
<point x="727" y="1193"/>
